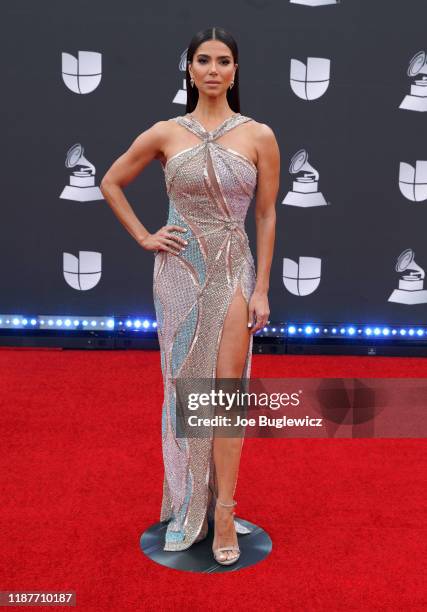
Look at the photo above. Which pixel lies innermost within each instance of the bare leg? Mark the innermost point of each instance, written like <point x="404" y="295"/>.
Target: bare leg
<point x="227" y="451"/>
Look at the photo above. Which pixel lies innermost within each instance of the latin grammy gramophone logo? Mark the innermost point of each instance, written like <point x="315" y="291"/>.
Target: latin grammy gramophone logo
<point x="417" y="99"/>
<point x="82" y="75"/>
<point x="411" y="284"/>
<point x="82" y="272"/>
<point x="82" y="186"/>
<point x="310" y="81"/>
<point x="413" y="181"/>
<point x="181" y="94"/>
<point x="315" y="2"/>
<point x="301" y="278"/>
<point x="305" y="183"/>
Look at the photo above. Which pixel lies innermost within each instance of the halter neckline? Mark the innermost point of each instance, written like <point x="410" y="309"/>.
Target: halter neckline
<point x="190" y="116"/>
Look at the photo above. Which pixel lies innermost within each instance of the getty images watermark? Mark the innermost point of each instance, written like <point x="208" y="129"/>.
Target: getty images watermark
<point x="227" y="400"/>
<point x="301" y="407"/>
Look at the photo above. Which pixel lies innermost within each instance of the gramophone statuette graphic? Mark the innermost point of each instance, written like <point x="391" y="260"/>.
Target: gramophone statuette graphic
<point x="417" y="99"/>
<point x="82" y="179"/>
<point x="181" y="94"/>
<point x="314" y="2"/>
<point x="305" y="183"/>
<point x="411" y="284"/>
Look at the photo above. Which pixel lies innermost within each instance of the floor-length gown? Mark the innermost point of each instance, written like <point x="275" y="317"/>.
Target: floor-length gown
<point x="210" y="187"/>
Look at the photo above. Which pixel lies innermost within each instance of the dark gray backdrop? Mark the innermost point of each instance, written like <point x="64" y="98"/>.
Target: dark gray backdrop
<point x="355" y="134"/>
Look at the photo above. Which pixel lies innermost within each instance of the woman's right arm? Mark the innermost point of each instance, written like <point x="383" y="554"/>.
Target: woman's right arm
<point x="146" y="147"/>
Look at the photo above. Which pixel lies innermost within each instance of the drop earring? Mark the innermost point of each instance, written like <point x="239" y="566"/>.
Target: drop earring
<point x="192" y="82"/>
<point x="231" y="84"/>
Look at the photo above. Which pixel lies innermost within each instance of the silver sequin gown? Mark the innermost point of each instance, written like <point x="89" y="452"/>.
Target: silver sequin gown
<point x="210" y="187"/>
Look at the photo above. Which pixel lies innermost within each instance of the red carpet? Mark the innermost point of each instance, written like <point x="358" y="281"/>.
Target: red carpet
<point x="81" y="480"/>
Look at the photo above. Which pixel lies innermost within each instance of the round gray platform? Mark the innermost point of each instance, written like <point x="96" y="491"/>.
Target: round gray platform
<point x="254" y="547"/>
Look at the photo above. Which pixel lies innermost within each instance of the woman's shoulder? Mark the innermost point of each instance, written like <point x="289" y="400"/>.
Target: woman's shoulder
<point x="260" y="129"/>
<point x="162" y="123"/>
<point x="164" y="127"/>
<point x="263" y="135"/>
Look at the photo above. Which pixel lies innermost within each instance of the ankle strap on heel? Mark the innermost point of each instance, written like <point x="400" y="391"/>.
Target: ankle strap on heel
<point x="233" y="503"/>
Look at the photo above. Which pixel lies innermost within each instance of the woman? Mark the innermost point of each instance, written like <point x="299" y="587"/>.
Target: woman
<point x="208" y="299"/>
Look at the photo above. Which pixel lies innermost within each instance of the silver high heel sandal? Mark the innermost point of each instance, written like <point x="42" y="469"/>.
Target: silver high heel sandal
<point x="233" y="549"/>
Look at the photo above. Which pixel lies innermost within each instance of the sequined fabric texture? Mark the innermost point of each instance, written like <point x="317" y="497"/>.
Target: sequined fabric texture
<point x="210" y="187"/>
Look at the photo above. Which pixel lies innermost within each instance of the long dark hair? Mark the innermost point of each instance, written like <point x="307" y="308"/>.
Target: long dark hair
<point x="214" y="33"/>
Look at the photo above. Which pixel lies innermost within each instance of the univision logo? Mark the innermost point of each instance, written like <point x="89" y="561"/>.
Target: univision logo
<point x="310" y="81"/>
<point x="82" y="75"/>
<point x="82" y="272"/>
<point x="301" y="278"/>
<point x="413" y="181"/>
